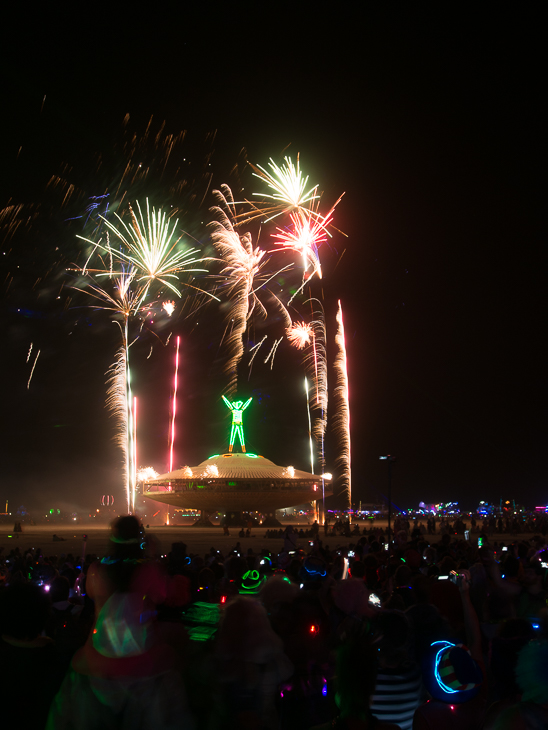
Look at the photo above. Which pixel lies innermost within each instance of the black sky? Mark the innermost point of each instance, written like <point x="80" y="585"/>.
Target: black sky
<point x="429" y="119"/>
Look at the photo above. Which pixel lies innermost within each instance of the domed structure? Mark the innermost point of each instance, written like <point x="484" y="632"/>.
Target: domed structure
<point x="236" y="482"/>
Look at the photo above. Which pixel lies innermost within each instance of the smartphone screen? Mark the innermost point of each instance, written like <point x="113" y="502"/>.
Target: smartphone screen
<point x="374" y="600"/>
<point x="386" y="546"/>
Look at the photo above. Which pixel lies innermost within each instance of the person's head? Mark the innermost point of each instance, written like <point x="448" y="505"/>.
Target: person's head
<point x="125" y="550"/>
<point x="532" y="672"/>
<point x="392" y="637"/>
<point x="24" y="610"/>
<point x="245" y="630"/>
<point x="357" y="569"/>
<point x="352" y="598"/>
<point x="450" y="674"/>
<point x="402" y="576"/>
<point x="447" y="565"/>
<point x="511" y="637"/>
<point x="356" y="676"/>
<point x="60" y="589"/>
<point x="510" y="566"/>
<point x="126" y="537"/>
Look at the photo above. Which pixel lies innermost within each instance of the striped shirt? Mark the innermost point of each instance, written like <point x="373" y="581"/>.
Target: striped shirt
<point x="397" y="694"/>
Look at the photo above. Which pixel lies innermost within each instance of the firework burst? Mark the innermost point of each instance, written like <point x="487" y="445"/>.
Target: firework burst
<point x="152" y="249"/>
<point x="305" y="237"/>
<point x="289" y="186"/>
<point x="150" y="255"/>
<point x="300" y="334"/>
<point x="144" y="473"/>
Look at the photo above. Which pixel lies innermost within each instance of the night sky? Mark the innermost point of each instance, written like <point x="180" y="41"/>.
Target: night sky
<point x="428" y="119"/>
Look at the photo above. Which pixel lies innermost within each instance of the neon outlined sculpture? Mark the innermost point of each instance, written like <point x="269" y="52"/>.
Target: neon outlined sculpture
<point x="237" y="407"/>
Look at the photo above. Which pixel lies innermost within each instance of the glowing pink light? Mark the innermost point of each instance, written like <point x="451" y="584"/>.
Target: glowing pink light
<point x="305" y="237"/>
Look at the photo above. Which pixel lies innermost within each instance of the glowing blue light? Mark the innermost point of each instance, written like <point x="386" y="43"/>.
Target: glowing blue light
<point x="444" y="687"/>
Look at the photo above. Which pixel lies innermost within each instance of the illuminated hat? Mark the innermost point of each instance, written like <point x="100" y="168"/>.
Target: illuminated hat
<point x="252" y="582"/>
<point x="452" y="675"/>
<point x="312" y="569"/>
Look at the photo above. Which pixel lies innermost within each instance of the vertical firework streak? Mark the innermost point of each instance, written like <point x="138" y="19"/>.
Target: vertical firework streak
<point x="134" y="460"/>
<point x="320" y="369"/>
<point x="117" y="403"/>
<point x="34" y="365"/>
<point x="342" y="413"/>
<point x="130" y="433"/>
<point x="242" y="264"/>
<point x="319" y="361"/>
<point x="173" y="414"/>
<point x="300" y="335"/>
<point x="309" y="426"/>
<point x="174" y="407"/>
<point x="119" y="399"/>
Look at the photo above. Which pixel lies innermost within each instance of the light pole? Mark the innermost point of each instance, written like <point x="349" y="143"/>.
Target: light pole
<point x="389" y="459"/>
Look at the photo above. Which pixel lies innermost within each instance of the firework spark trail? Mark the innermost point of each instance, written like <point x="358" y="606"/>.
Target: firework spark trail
<point x="342" y="413"/>
<point x="243" y="266"/>
<point x="33" y="366"/>
<point x="255" y="348"/>
<point x="305" y="237"/>
<point x="151" y="248"/>
<point x="272" y="353"/>
<point x="146" y="472"/>
<point x="174" y="408"/>
<point x="319" y="358"/>
<point x="117" y="403"/>
<point x="289" y="188"/>
<point x="168" y="307"/>
<point x="309" y="425"/>
<point x="134" y="459"/>
<point x="153" y="255"/>
<point x="30" y="350"/>
<point x="300" y="334"/>
<point x="123" y="302"/>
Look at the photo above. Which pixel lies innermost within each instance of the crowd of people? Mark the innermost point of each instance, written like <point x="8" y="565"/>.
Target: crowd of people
<point x="428" y="630"/>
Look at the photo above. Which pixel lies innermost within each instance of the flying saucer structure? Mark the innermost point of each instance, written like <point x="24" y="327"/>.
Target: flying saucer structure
<point x="236" y="482"/>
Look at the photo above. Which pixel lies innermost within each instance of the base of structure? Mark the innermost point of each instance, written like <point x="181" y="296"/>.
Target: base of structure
<point x="203" y="521"/>
<point x="271" y="521"/>
<point x="239" y="519"/>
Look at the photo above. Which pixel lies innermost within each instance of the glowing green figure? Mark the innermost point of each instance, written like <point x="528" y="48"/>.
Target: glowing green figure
<point x="237" y="407"/>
